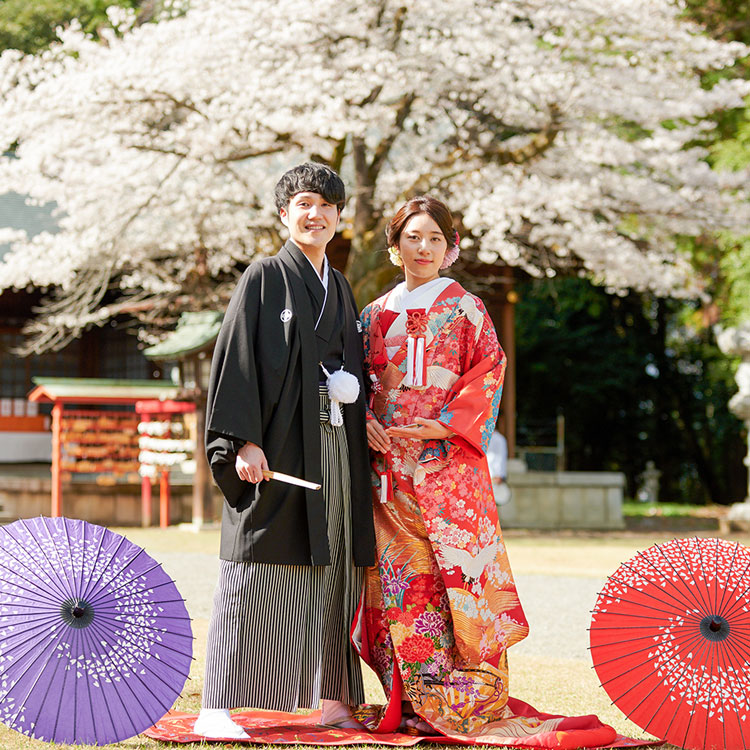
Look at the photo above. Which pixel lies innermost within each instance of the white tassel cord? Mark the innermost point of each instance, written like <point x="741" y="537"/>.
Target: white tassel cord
<point x="337" y="418"/>
<point x="415" y="346"/>
<point x="386" y="486"/>
<point x="419" y="362"/>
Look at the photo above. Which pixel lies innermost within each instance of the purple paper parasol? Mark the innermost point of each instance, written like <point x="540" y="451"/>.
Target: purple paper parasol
<point x="95" y="640"/>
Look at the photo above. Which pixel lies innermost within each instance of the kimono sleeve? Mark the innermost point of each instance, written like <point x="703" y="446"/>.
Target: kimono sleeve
<point x="374" y="354"/>
<point x="233" y="409"/>
<point x="471" y="409"/>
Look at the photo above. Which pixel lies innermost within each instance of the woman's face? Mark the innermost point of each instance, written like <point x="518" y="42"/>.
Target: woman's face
<point x="422" y="246"/>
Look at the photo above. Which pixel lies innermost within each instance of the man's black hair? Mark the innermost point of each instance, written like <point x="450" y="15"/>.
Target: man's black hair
<point x="310" y="178"/>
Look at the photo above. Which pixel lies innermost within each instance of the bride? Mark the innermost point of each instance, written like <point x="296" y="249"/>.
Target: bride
<point x="440" y="607"/>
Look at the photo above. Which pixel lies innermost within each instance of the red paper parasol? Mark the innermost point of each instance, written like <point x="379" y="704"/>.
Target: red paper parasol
<point x="670" y="642"/>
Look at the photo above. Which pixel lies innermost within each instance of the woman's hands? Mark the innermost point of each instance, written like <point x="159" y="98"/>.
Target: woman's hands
<point x="421" y="429"/>
<point x="379" y="438"/>
<point x="250" y="463"/>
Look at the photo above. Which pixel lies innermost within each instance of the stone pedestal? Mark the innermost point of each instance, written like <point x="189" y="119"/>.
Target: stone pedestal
<point x="564" y="500"/>
<point x="738" y="517"/>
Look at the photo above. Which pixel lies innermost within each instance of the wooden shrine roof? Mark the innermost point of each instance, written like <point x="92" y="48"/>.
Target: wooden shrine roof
<point x="99" y="390"/>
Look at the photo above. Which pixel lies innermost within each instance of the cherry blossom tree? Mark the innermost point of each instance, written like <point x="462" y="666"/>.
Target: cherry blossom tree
<point x="562" y="135"/>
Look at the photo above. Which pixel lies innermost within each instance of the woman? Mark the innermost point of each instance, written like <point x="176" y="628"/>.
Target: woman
<point x="440" y="608"/>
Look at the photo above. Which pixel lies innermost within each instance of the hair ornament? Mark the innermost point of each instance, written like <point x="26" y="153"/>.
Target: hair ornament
<point x="395" y="256"/>
<point x="451" y="255"/>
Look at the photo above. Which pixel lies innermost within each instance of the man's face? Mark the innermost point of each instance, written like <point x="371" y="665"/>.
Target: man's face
<point x="311" y="220"/>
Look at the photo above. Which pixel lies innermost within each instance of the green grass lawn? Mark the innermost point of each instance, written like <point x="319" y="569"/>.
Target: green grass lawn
<point x="635" y="509"/>
<point x="566" y="686"/>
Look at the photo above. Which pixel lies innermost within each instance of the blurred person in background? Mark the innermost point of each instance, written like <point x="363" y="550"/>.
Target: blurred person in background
<point x="497" y="460"/>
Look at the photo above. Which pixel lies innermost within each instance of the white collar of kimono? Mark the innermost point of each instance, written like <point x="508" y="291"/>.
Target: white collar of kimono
<point x="424" y="296"/>
<point x="324" y="281"/>
<point x="400" y="299"/>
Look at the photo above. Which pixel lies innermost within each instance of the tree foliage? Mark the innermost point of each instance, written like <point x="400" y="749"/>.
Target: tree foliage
<point x="30" y="26"/>
<point x="733" y="291"/>
<point x="638" y="379"/>
<point x="723" y="19"/>
<point x="562" y="135"/>
<point x="726" y="262"/>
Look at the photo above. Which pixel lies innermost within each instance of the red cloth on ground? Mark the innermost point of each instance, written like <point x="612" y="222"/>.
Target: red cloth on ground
<point x="278" y="728"/>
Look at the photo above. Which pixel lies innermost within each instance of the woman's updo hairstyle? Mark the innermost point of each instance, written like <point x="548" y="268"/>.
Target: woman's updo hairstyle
<point x="437" y="211"/>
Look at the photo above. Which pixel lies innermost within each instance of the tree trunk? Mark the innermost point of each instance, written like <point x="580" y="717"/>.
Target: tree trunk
<point x="203" y="503"/>
<point x="368" y="269"/>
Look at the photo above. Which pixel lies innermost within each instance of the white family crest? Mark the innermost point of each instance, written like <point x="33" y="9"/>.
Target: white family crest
<point x="286" y="315"/>
<point x="359" y="326"/>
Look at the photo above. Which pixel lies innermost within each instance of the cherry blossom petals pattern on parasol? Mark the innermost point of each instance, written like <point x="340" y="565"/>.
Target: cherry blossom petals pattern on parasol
<point x="95" y="640"/>
<point x="670" y="642"/>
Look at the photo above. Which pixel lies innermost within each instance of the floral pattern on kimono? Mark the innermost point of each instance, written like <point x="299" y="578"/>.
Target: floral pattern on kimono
<point x="440" y="609"/>
<point x="441" y="606"/>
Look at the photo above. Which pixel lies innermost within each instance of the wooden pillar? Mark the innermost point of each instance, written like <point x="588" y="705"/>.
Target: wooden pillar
<point x="560" y="442"/>
<point x="164" y="497"/>
<point x="203" y="510"/>
<point x="57" y="410"/>
<point x="146" y="495"/>
<point x="146" y="488"/>
<point x="508" y="341"/>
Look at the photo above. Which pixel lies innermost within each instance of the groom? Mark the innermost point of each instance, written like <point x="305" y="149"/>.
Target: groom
<point x="291" y="558"/>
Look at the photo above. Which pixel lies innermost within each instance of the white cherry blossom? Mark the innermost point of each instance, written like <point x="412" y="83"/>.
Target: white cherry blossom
<point x="562" y="134"/>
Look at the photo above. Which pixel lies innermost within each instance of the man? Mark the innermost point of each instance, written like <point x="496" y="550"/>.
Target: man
<point x="291" y="558"/>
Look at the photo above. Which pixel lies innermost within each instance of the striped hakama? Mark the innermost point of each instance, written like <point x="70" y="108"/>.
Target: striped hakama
<point x="278" y="638"/>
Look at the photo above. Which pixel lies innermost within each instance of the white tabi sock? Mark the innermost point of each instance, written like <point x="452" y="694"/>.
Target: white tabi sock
<point x="216" y="723"/>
